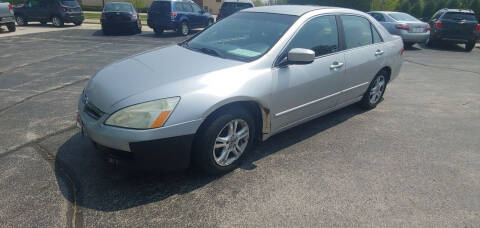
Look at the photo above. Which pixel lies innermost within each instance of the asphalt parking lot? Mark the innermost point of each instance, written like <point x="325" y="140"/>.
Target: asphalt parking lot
<point x="412" y="161"/>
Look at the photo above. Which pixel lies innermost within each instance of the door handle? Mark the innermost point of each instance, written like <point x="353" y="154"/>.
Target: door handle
<point x="336" y="65"/>
<point x="379" y="52"/>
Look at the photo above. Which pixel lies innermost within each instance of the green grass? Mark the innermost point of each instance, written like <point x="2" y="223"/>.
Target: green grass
<point x="97" y="16"/>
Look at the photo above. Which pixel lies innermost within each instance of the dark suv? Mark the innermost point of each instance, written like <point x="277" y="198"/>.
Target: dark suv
<point x="43" y="11"/>
<point x="230" y="7"/>
<point x="454" y="26"/>
<point x="179" y="15"/>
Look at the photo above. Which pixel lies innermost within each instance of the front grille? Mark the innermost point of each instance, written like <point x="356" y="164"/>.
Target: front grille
<point x="91" y="109"/>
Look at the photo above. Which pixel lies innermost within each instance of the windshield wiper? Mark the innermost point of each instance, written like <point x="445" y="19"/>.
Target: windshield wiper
<point x="209" y="51"/>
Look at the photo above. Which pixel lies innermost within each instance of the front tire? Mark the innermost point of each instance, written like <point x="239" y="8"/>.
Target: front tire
<point x="77" y="23"/>
<point x="21" y="21"/>
<point x="57" y="21"/>
<point x="183" y="30"/>
<point x="224" y="140"/>
<point x="375" y="91"/>
<point x="469" y="46"/>
<point x="11" y="27"/>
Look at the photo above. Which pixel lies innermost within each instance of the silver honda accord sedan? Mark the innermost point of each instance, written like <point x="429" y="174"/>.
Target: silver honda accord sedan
<point x="250" y="76"/>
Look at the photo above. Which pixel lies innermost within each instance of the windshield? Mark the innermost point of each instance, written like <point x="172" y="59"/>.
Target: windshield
<point x="460" y="16"/>
<point x="117" y="7"/>
<point x="402" y="17"/>
<point x="69" y="3"/>
<point x="242" y="36"/>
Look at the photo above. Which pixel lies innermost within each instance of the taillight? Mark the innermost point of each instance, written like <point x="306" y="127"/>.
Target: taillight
<point x="402" y="27"/>
<point x="10" y="7"/>
<point x="173" y="15"/>
<point x="428" y="28"/>
<point x="134" y="17"/>
<point x="477" y="28"/>
<point x="402" y="51"/>
<point x="438" y="25"/>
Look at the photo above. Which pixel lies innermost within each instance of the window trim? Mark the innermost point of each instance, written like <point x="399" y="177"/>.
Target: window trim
<point x="341" y="41"/>
<point x="372" y="44"/>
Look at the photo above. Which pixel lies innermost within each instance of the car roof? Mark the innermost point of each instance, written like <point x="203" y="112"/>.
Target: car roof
<point x="458" y="10"/>
<point x="119" y="3"/>
<point x="387" y="12"/>
<point x="240" y="1"/>
<point x="296" y="10"/>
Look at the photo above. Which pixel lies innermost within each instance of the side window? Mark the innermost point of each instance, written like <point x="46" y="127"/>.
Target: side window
<point x="196" y="8"/>
<point x="319" y="34"/>
<point x="37" y="3"/>
<point x="358" y="31"/>
<point x="187" y="7"/>
<point x="378" y="17"/>
<point x="179" y="6"/>
<point x="376" y="36"/>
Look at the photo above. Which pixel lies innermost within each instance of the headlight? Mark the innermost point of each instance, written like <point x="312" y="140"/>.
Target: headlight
<point x="147" y="115"/>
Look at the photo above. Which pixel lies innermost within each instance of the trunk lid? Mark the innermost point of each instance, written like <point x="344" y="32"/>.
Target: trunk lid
<point x="459" y="23"/>
<point x="117" y="16"/>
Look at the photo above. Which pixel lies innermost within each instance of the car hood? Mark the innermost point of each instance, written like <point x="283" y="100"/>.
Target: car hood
<point x="150" y="70"/>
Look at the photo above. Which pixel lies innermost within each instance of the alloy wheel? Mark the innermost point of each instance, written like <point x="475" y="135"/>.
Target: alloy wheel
<point x="377" y="89"/>
<point x="231" y="142"/>
<point x="56" y="22"/>
<point x="185" y="29"/>
<point x="20" y="21"/>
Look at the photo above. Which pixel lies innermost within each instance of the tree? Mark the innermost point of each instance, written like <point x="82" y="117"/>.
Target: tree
<point x="429" y="8"/>
<point x="388" y="5"/>
<point x="475" y="6"/>
<point x="404" y="6"/>
<point x="441" y="4"/>
<point x="258" y="3"/>
<point x="454" y="4"/>
<point x="417" y="9"/>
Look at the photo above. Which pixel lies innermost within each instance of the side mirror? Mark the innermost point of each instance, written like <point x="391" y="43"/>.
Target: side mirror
<point x="300" y="56"/>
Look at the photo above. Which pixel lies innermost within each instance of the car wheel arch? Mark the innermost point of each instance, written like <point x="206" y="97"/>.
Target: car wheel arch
<point x="259" y="111"/>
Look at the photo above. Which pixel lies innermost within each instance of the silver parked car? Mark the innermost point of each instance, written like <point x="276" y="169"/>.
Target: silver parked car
<point x="250" y="76"/>
<point x="408" y="27"/>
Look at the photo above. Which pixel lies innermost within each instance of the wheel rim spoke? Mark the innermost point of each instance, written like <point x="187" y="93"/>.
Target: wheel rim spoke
<point x="231" y="142"/>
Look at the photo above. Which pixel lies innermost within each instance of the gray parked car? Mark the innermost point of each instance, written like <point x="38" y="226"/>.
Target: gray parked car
<point x="6" y="16"/>
<point x="250" y="76"/>
<point x="408" y="27"/>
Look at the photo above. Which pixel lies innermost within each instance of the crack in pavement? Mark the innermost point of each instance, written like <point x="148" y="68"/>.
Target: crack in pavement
<point x="441" y="67"/>
<point x="50" y="58"/>
<point x="2" y="111"/>
<point x="61" y="168"/>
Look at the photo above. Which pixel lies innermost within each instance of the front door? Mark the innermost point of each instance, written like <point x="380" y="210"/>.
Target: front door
<point x="304" y="91"/>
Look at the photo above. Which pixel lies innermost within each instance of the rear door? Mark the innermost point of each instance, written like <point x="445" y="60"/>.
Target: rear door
<point x="364" y="55"/>
<point x="305" y="91"/>
<point x="37" y="10"/>
<point x="198" y="17"/>
<point x="459" y="24"/>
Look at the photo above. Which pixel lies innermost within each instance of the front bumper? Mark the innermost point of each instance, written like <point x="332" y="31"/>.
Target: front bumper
<point x="73" y="18"/>
<point x="415" y="37"/>
<point x="166" y="147"/>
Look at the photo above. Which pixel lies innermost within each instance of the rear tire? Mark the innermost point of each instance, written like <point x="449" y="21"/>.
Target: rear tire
<point x="43" y="22"/>
<point x="217" y="150"/>
<point x="408" y="45"/>
<point x="375" y="91"/>
<point x="21" y="21"/>
<point x="57" y="21"/>
<point x="183" y="30"/>
<point x="158" y="31"/>
<point x="11" y="27"/>
<point x="431" y="42"/>
<point x="77" y="23"/>
<point x="469" y="46"/>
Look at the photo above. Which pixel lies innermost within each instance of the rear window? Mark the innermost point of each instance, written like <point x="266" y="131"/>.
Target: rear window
<point x="117" y="7"/>
<point x="460" y="16"/>
<point x="402" y="17"/>
<point x="161" y="6"/>
<point x="233" y="5"/>
<point x="70" y="3"/>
